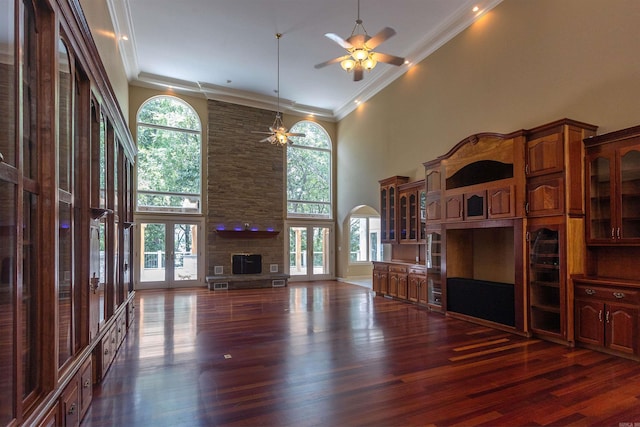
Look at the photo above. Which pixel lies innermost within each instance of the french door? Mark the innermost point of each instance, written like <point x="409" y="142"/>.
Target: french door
<point x="310" y="251"/>
<point x="169" y="253"/>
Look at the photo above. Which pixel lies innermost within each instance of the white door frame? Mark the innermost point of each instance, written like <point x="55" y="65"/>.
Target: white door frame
<point x="330" y="257"/>
<point x="169" y="221"/>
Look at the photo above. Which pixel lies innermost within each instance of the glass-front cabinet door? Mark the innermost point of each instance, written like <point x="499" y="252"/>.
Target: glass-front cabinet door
<point x="599" y="225"/>
<point x="546" y="281"/>
<point x="629" y="194"/>
<point x="613" y="206"/>
<point x="434" y="263"/>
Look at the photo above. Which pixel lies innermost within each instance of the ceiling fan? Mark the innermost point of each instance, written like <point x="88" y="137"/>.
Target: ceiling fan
<point x="360" y="47"/>
<point x="278" y="134"/>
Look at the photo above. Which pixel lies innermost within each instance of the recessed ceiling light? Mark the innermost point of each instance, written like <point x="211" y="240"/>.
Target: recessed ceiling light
<point x="475" y="9"/>
<point x="125" y="38"/>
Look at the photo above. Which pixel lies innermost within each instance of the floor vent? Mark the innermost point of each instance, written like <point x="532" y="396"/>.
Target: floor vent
<point x="220" y="286"/>
<point x="278" y="283"/>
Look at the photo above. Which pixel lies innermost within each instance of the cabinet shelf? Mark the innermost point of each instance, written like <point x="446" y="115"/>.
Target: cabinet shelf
<point x="546" y="308"/>
<point x="546" y="284"/>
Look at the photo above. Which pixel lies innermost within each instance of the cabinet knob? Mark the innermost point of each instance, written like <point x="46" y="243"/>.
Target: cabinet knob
<point x="613" y="233"/>
<point x="608" y="312"/>
<point x="600" y="315"/>
<point x="87" y="383"/>
<point x="618" y="295"/>
<point x="589" y="291"/>
<point x="72" y="409"/>
<point x="618" y="232"/>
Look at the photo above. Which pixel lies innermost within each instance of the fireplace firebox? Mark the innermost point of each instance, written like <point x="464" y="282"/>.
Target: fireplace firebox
<point x="246" y="263"/>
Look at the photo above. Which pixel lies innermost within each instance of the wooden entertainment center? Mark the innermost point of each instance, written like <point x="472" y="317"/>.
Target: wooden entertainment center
<point x="499" y="233"/>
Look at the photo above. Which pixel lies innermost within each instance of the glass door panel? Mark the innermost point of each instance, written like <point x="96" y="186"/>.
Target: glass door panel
<point x="600" y="225"/>
<point x="310" y="252"/>
<point x="630" y="195"/>
<point x="169" y="254"/>
<point x="297" y="251"/>
<point x="545" y="283"/>
<point x="152" y="249"/>
<point x="185" y="254"/>
<point x="321" y="250"/>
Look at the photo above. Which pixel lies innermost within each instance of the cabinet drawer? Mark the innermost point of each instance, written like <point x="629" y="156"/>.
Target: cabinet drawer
<point x="70" y="405"/>
<point x="421" y="271"/>
<point x="398" y="268"/>
<point x="602" y="293"/>
<point x="380" y="267"/>
<point x="86" y="386"/>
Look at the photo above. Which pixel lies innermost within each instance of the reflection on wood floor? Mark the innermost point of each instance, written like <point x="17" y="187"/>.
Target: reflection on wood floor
<point x="332" y="354"/>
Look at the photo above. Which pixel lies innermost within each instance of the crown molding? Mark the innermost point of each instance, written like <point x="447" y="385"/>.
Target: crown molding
<point x="123" y="26"/>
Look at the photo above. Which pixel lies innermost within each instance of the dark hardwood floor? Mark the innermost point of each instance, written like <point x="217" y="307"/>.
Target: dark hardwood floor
<point x="332" y="354"/>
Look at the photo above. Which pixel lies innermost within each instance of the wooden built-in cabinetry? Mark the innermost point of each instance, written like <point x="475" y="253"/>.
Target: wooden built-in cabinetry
<point x="389" y="208"/>
<point x="607" y="296"/>
<point x="66" y="168"/>
<point x="503" y="213"/>
<point x="607" y="314"/>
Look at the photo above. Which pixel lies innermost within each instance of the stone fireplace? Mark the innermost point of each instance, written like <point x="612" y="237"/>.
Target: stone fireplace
<point x="245" y="194"/>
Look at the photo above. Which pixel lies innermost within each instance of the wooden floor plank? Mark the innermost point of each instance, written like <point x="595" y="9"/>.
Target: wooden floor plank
<point x="333" y="354"/>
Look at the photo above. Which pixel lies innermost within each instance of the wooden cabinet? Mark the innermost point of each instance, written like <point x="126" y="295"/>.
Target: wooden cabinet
<point x="64" y="149"/>
<point x="607" y="316"/>
<point x="544" y="155"/>
<point x="86" y="386"/>
<point x="417" y="285"/>
<point x="398" y="281"/>
<point x="545" y="196"/>
<point x="70" y="405"/>
<point x="553" y="168"/>
<point x="613" y="188"/>
<point x="546" y="279"/>
<point x="501" y="202"/>
<point x="389" y="208"/>
<point x="380" y="278"/>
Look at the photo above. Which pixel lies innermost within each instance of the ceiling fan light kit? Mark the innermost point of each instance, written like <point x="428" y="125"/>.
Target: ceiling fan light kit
<point x="360" y="50"/>
<point x="278" y="134"/>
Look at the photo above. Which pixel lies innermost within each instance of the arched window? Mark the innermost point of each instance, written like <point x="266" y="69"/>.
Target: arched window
<point x="309" y="172"/>
<point x="169" y="157"/>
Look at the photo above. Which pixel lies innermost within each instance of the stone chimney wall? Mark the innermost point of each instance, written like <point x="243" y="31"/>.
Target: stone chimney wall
<point x="245" y="185"/>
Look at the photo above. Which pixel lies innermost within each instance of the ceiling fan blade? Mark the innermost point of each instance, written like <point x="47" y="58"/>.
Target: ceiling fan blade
<point x="358" y="40"/>
<point x="388" y="59"/>
<point x="301" y="135"/>
<point x="382" y="35"/>
<point x="269" y="139"/>
<point x="257" y="131"/>
<point x="358" y="72"/>
<point x="336" y="38"/>
<point x="331" y="61"/>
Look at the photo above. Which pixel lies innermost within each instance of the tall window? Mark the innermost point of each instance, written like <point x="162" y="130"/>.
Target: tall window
<point x="169" y="157"/>
<point x="309" y="172"/>
<point x="364" y="239"/>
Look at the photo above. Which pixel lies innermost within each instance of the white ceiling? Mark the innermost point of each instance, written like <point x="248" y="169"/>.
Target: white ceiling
<point x="227" y="49"/>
